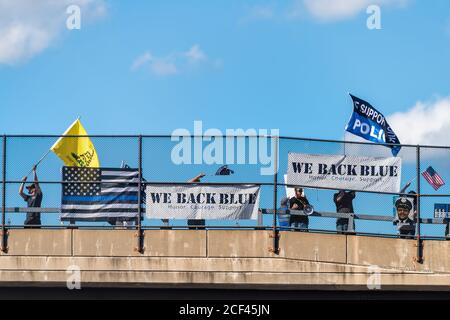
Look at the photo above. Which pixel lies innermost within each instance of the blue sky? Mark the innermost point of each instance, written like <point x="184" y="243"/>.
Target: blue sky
<point x="151" y="67"/>
<point x="266" y="64"/>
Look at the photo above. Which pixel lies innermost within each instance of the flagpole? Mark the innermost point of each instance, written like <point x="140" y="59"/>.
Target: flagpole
<point x="344" y="143"/>
<point x="345" y="131"/>
<point x="40" y="160"/>
<point x="407" y="185"/>
<point x="48" y="151"/>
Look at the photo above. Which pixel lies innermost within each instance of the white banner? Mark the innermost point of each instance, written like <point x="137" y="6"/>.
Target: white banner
<point x="345" y="172"/>
<point x="202" y="202"/>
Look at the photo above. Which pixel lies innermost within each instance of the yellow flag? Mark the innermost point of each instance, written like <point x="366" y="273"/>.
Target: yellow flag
<point x="76" y="151"/>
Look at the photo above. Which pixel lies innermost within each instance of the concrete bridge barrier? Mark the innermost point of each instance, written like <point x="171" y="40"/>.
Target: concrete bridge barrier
<point x="222" y="259"/>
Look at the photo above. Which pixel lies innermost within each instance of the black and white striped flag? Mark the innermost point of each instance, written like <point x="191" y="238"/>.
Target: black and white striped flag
<point x="98" y="194"/>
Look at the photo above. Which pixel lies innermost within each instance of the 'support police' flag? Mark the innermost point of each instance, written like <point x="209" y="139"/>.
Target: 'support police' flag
<point x="76" y="151"/>
<point x="370" y="124"/>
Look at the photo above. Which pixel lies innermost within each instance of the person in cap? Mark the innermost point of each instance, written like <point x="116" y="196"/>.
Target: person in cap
<point x="406" y="224"/>
<point x="33" y="200"/>
<point x="344" y="204"/>
<point x="299" y="202"/>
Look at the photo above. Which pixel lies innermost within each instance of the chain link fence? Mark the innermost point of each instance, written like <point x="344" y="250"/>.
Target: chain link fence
<point x="154" y="155"/>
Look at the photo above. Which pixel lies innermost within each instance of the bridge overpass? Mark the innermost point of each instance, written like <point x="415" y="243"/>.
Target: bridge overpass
<point x="222" y="259"/>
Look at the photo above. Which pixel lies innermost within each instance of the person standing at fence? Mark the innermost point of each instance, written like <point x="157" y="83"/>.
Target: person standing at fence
<point x="33" y="200"/>
<point x="344" y="204"/>
<point x="299" y="202"/>
<point x="405" y="219"/>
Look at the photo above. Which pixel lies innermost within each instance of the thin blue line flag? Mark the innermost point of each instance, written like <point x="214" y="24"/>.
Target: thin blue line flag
<point x="370" y="124"/>
<point x="107" y="193"/>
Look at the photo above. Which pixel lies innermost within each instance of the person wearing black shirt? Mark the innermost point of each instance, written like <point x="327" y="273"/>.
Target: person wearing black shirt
<point x="298" y="203"/>
<point x="33" y="200"/>
<point x="344" y="204"/>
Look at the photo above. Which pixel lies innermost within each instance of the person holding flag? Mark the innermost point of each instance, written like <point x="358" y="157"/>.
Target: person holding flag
<point x="74" y="148"/>
<point x="33" y="200"/>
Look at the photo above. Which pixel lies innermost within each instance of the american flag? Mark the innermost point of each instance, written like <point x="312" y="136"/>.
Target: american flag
<point x="433" y="178"/>
<point x="107" y="193"/>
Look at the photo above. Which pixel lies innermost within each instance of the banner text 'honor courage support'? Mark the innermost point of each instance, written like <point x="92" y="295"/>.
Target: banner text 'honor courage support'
<point x="345" y="172"/>
<point x="202" y="202"/>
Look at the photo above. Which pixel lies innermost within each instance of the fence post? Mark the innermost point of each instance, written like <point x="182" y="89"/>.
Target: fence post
<point x="275" y="233"/>
<point x="4" y="246"/>
<point x="140" y="235"/>
<point x="351" y="222"/>
<point x="447" y="228"/>
<point x="419" y="257"/>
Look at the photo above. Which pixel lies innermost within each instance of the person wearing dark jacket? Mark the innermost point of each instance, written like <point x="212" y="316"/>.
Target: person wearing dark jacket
<point x="299" y="202"/>
<point x="344" y="204"/>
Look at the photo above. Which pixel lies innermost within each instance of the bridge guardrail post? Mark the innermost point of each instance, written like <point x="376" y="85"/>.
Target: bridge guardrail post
<point x="4" y="244"/>
<point x="140" y="236"/>
<point x="447" y="228"/>
<point x="351" y="222"/>
<point x="275" y="249"/>
<point x="419" y="257"/>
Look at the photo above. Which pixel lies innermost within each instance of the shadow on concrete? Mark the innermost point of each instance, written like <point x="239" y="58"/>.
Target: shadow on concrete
<point x="34" y="293"/>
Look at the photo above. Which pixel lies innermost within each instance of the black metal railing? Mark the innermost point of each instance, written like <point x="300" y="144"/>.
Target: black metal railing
<point x="149" y="153"/>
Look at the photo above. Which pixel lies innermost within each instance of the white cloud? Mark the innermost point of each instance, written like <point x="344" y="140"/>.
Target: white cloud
<point x="28" y="27"/>
<point x="141" y="60"/>
<point x="173" y="63"/>
<point x="426" y="123"/>
<point x="158" y="66"/>
<point x="20" y="41"/>
<point x="330" y="10"/>
<point x="321" y="10"/>
<point x="335" y="9"/>
<point x="195" y="54"/>
<point x="163" y="68"/>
